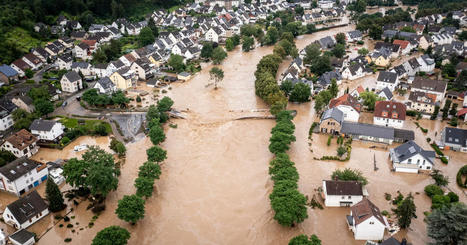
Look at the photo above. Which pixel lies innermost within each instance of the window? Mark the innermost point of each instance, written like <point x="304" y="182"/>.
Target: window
<point x="349" y="197"/>
<point x="372" y="223"/>
<point x="343" y="197"/>
<point x="410" y="161"/>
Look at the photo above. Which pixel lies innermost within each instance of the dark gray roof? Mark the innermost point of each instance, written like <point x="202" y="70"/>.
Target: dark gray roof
<point x="72" y="76"/>
<point x="364" y="129"/>
<point x="387" y="77"/>
<point x="82" y="65"/>
<point x="410" y="149"/>
<point x="390" y="241"/>
<point x="334" y="113"/>
<point x="400" y="70"/>
<point x="456" y="136"/>
<point x="339" y="187"/>
<point x="21" y="236"/>
<point x="355" y="34"/>
<point x="326" y="78"/>
<point x="42" y="125"/>
<point x="106" y="83"/>
<point x="404" y="135"/>
<point x="17" y="168"/>
<point x="387" y="93"/>
<point x="27" y="207"/>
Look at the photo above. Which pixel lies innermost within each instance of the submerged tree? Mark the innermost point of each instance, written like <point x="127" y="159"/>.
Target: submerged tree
<point x="216" y="74"/>
<point x="130" y="208"/>
<point x="114" y="235"/>
<point x="54" y="196"/>
<point x="406" y="211"/>
<point x="304" y="240"/>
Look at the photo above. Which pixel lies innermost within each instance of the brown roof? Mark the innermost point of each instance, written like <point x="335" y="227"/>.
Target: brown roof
<point x="346" y="99"/>
<point x="33" y="58"/>
<point x="390" y="109"/>
<point x="341" y="187"/>
<point x="360" y="89"/>
<point x="130" y="57"/>
<point x="422" y="97"/>
<point x="21" y="139"/>
<point x="21" y="64"/>
<point x="428" y="84"/>
<point x="364" y="210"/>
<point x="402" y="43"/>
<point x="90" y="43"/>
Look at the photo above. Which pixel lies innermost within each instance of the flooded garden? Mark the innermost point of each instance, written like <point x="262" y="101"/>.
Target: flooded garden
<point x="215" y="186"/>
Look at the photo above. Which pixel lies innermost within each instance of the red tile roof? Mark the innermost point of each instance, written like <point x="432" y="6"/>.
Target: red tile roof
<point x="402" y="43"/>
<point x="390" y="109"/>
<point x="365" y="210"/>
<point x="346" y="99"/>
<point x="21" y="139"/>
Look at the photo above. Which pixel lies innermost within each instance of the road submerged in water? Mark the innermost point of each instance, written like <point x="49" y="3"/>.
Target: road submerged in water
<point x="214" y="187"/>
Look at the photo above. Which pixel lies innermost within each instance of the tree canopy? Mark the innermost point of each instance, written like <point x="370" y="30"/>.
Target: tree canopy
<point x="130" y="208"/>
<point x="448" y="225"/>
<point x="305" y="240"/>
<point x="112" y="235"/>
<point x="349" y="174"/>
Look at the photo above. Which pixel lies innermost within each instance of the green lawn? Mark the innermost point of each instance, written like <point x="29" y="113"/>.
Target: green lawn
<point x="88" y="124"/>
<point x="23" y="39"/>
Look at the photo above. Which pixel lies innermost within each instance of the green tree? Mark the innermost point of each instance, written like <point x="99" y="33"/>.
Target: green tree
<point x="340" y="38"/>
<point x="299" y="10"/>
<point x="349" y="174"/>
<point x="289" y="207"/>
<point x="217" y="75"/>
<point x="29" y="73"/>
<point x="432" y="190"/>
<point x="408" y="29"/>
<point x="310" y="28"/>
<point x="320" y="65"/>
<point x="156" y="154"/>
<point x="229" y="44"/>
<point x="375" y="32"/>
<point x="54" y="197"/>
<point x="118" y="147"/>
<point x="218" y="55"/>
<point x="439" y="178"/>
<point x="100" y="129"/>
<point x="6" y="157"/>
<point x="130" y="208"/>
<point x="301" y="92"/>
<point x="405" y="212"/>
<point x="247" y="43"/>
<point x="157" y="135"/>
<point x="448" y="225"/>
<point x="339" y="50"/>
<point x="149" y="170"/>
<point x="333" y="88"/>
<point x="176" y="62"/>
<point x="363" y="51"/>
<point x="279" y="142"/>
<point x="114" y="235"/>
<point x="96" y="171"/>
<point x="153" y="27"/>
<point x="322" y="99"/>
<point x="43" y="106"/>
<point x="304" y="240"/>
<point x="144" y="186"/>
<point x="369" y="99"/>
<point x="39" y="93"/>
<point x="287" y="87"/>
<point x="146" y="37"/>
<point x="165" y="104"/>
<point x="206" y="50"/>
<point x="272" y="36"/>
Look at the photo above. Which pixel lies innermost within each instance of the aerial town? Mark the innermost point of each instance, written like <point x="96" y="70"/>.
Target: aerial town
<point x="301" y="122"/>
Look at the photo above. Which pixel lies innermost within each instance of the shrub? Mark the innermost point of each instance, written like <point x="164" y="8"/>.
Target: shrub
<point x="444" y="160"/>
<point x="387" y="196"/>
<point x="329" y="140"/>
<point x="428" y="139"/>
<point x="460" y="174"/>
<point x="385" y="213"/>
<point x="432" y="190"/>
<point x="437" y="150"/>
<point x="69" y="226"/>
<point x="341" y="151"/>
<point x="67" y="239"/>
<point x="411" y="113"/>
<point x="65" y="140"/>
<point x="66" y="218"/>
<point x="453" y="197"/>
<point x="138" y="99"/>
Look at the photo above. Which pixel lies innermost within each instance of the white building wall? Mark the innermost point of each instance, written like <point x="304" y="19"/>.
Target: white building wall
<point x="8" y="217"/>
<point x="350" y="114"/>
<point x="388" y="122"/>
<point x="55" y="132"/>
<point x="26" y="182"/>
<point x="370" y="229"/>
<point x="6" y="122"/>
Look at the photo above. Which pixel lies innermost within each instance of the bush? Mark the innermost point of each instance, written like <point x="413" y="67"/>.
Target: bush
<point x="444" y="160"/>
<point x="385" y="213"/>
<point x="329" y="140"/>
<point x="67" y="239"/>
<point x="65" y="140"/>
<point x="432" y="190"/>
<point x="341" y="151"/>
<point x="437" y="150"/>
<point x="387" y="196"/>
<point x="66" y="218"/>
<point x="100" y="129"/>
<point x="69" y="226"/>
<point x="460" y="174"/>
<point x="453" y="197"/>
<point x="138" y="99"/>
<point x="411" y="113"/>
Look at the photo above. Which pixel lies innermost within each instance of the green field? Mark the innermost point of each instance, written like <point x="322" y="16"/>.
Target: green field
<point x="88" y="124"/>
<point x="22" y="38"/>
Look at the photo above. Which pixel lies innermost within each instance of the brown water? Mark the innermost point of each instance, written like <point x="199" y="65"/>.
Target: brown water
<point x="215" y="185"/>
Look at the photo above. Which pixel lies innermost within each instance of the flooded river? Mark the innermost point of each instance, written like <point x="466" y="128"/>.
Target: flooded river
<point x="215" y="186"/>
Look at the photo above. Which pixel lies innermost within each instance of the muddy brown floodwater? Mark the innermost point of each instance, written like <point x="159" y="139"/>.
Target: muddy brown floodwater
<point x="215" y="185"/>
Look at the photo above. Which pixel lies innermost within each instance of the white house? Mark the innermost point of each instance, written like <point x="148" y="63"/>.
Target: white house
<point x="353" y="72"/>
<point x="22" y="175"/>
<point x="338" y="193"/>
<point x="213" y="34"/>
<point x="387" y="79"/>
<point x="64" y="62"/>
<point x="105" y="86"/>
<point x="84" y="67"/>
<point x="427" y="64"/>
<point x="354" y="36"/>
<point x="82" y="51"/>
<point x="100" y="70"/>
<point x="6" y="119"/>
<point x="21" y="144"/>
<point x="389" y="114"/>
<point x="47" y="129"/>
<point x="410" y="158"/>
<point x="25" y="211"/>
<point x="71" y="82"/>
<point x="22" y="237"/>
<point x="366" y="221"/>
<point x="349" y="105"/>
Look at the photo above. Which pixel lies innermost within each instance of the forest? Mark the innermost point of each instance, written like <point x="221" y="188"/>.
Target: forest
<point x="17" y="18"/>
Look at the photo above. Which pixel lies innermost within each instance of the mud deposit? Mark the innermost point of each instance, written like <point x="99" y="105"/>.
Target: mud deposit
<point x="215" y="185"/>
